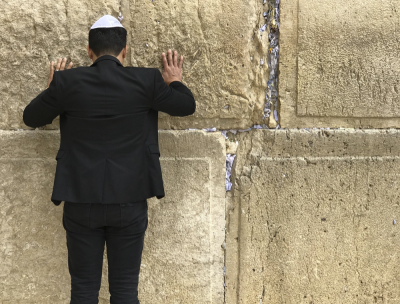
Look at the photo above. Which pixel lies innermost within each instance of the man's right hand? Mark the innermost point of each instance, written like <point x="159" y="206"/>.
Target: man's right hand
<point x="172" y="71"/>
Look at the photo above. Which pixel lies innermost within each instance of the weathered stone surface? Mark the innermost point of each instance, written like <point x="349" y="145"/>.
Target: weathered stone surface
<point x="182" y="260"/>
<point x="338" y="64"/>
<point x="33" y="259"/>
<point x="217" y="40"/>
<point x="311" y="218"/>
<point x="32" y="33"/>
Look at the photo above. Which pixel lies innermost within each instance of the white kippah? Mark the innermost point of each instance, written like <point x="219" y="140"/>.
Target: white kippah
<point x="106" y="21"/>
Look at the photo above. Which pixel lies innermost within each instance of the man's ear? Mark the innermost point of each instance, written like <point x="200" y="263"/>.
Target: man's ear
<point x="90" y="52"/>
<point x="125" y="50"/>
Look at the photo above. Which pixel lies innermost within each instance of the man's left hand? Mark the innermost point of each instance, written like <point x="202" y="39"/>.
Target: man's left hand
<point x="59" y="67"/>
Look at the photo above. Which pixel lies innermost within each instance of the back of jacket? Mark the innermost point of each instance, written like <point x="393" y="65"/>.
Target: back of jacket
<point x="109" y="149"/>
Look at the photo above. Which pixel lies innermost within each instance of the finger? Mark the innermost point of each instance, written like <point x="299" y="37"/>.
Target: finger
<point x="58" y="64"/>
<point x="176" y="58"/>
<point x="51" y="68"/>
<point x="51" y="73"/>
<point x="181" y="62"/>
<point x="70" y="65"/>
<point x="169" y="57"/>
<point x="64" y="61"/>
<point x="164" y="59"/>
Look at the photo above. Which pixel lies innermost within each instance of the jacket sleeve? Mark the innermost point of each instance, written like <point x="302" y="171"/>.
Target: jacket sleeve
<point x="174" y="99"/>
<point x="44" y="108"/>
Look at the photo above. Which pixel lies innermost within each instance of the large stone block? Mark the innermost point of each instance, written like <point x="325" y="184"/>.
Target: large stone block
<point x="220" y="42"/>
<point x="182" y="260"/>
<point x="33" y="33"/>
<point x="218" y="39"/>
<point x="311" y="218"/>
<point x="338" y="64"/>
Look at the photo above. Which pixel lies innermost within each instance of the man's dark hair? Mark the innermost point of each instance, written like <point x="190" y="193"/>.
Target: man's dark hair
<point x="107" y="41"/>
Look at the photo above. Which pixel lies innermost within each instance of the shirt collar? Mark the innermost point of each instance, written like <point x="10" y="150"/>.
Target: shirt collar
<point x="107" y="57"/>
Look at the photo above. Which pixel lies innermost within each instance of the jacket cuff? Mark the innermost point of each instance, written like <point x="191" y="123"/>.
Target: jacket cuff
<point x="176" y="83"/>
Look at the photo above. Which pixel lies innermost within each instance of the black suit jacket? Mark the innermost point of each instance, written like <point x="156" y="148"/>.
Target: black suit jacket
<point x="109" y="149"/>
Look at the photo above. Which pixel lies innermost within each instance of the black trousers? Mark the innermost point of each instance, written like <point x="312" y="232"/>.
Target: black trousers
<point x="88" y="227"/>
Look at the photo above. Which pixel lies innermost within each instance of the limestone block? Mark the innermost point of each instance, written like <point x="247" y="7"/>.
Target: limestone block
<point x="182" y="260"/>
<point x="338" y="64"/>
<point x="32" y="34"/>
<point x="33" y="257"/>
<point x="218" y="40"/>
<point x="311" y="218"/>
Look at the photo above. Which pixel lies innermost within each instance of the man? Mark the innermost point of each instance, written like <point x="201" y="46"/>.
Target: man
<point x="108" y="160"/>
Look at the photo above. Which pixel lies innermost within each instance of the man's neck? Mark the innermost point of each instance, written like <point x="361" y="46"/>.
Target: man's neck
<point x="119" y="57"/>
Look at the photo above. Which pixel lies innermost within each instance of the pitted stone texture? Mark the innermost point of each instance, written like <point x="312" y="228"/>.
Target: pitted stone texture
<point x="32" y="34"/>
<point x="182" y="259"/>
<point x="33" y="257"/>
<point x="311" y="218"/>
<point x="338" y="66"/>
<point x="215" y="39"/>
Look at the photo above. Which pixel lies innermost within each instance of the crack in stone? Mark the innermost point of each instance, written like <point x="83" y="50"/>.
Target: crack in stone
<point x="272" y="20"/>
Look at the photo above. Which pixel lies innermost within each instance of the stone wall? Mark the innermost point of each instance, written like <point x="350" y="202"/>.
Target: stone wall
<point x="312" y="213"/>
<point x="339" y="64"/>
<point x="183" y="258"/>
<point x="312" y="218"/>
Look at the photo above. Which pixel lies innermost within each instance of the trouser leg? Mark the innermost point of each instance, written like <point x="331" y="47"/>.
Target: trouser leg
<point x="85" y="263"/>
<point x="124" y="253"/>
